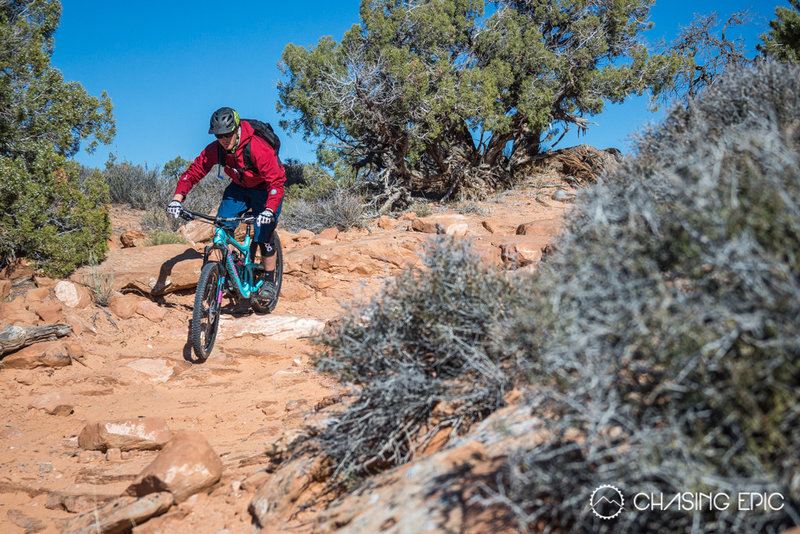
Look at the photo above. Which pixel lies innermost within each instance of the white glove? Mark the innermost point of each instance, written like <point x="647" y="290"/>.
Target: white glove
<point x="174" y="208"/>
<point x="265" y="217"/>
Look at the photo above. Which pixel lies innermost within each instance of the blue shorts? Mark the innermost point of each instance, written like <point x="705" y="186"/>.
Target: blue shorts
<point x="237" y="200"/>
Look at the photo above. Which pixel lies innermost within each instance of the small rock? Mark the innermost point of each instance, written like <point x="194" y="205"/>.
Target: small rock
<point x="49" y="312"/>
<point x="146" y="433"/>
<point x="151" y="311"/>
<point x="88" y="457"/>
<point x="114" y="455"/>
<point x="304" y="235"/>
<point x="387" y="223"/>
<point x="73" y="295"/>
<point x="185" y="466"/>
<point x="457" y="230"/>
<point x="43" y="281"/>
<point x="124" y="306"/>
<point x="132" y="238"/>
<point x="37" y="294"/>
<point x="489" y="227"/>
<point x="329" y="233"/>
<point x="53" y="403"/>
<point x="47" y="354"/>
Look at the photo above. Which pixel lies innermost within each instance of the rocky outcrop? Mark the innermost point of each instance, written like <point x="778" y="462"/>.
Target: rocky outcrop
<point x="149" y="270"/>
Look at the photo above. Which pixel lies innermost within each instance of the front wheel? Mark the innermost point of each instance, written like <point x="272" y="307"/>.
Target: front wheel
<point x="267" y="305"/>
<point x="205" y="317"/>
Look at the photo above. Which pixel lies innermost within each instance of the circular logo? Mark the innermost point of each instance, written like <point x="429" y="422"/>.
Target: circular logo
<point x="606" y="502"/>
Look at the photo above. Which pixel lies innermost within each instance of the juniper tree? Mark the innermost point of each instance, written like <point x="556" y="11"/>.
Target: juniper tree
<point x="47" y="212"/>
<point x="783" y="40"/>
<point x="447" y="96"/>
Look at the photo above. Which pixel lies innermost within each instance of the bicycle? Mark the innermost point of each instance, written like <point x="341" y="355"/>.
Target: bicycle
<point x="232" y="274"/>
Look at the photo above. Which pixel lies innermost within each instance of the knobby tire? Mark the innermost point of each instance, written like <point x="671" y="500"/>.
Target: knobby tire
<point x="205" y="317"/>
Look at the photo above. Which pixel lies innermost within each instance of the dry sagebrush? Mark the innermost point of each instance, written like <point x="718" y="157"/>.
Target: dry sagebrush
<point x="669" y="324"/>
<point x="415" y="358"/>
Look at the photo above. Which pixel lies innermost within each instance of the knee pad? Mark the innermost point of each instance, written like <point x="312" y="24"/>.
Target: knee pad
<point x="267" y="249"/>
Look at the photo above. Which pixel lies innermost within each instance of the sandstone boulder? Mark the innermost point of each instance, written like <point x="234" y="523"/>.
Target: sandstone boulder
<point x="72" y="295"/>
<point x="154" y="270"/>
<point x="146" y="433"/>
<point x="185" y="466"/>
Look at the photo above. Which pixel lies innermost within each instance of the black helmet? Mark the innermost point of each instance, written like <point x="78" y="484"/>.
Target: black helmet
<point x="224" y="120"/>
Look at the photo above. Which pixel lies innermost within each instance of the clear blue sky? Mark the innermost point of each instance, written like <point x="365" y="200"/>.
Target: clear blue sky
<point x="168" y="65"/>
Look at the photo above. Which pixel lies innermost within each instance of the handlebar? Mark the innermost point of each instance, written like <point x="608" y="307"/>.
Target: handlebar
<point x="216" y="221"/>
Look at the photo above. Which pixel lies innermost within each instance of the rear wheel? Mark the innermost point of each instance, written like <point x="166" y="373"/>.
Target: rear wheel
<point x="261" y="305"/>
<point x="205" y="317"/>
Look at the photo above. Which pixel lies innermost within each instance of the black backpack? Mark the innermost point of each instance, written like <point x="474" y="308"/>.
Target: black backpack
<point x="264" y="131"/>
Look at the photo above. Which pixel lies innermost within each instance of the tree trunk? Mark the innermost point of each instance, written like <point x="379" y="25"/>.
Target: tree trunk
<point x="13" y="338"/>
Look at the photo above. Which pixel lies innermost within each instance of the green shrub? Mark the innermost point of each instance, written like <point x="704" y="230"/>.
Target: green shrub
<point x="48" y="212"/>
<point x="665" y="328"/>
<point x="420" y="208"/>
<point x="159" y="237"/>
<point x="55" y="220"/>
<point x="416" y="359"/>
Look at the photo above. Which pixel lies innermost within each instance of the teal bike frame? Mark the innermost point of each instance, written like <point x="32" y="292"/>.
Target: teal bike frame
<point x="237" y="272"/>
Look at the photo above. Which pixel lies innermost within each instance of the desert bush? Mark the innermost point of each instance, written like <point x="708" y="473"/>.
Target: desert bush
<point x="664" y="330"/>
<point x="470" y="208"/>
<point x="135" y="185"/>
<point x="100" y="281"/>
<point x="420" y="208"/>
<point x="320" y="202"/>
<point x="416" y="361"/>
<point x="159" y="237"/>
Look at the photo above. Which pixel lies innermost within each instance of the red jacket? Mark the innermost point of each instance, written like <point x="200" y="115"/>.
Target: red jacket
<point x="269" y="174"/>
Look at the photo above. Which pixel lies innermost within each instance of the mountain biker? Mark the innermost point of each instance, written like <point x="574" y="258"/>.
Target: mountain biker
<point x="259" y="190"/>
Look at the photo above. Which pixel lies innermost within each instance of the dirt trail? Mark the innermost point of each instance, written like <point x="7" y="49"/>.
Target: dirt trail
<point x="257" y="386"/>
